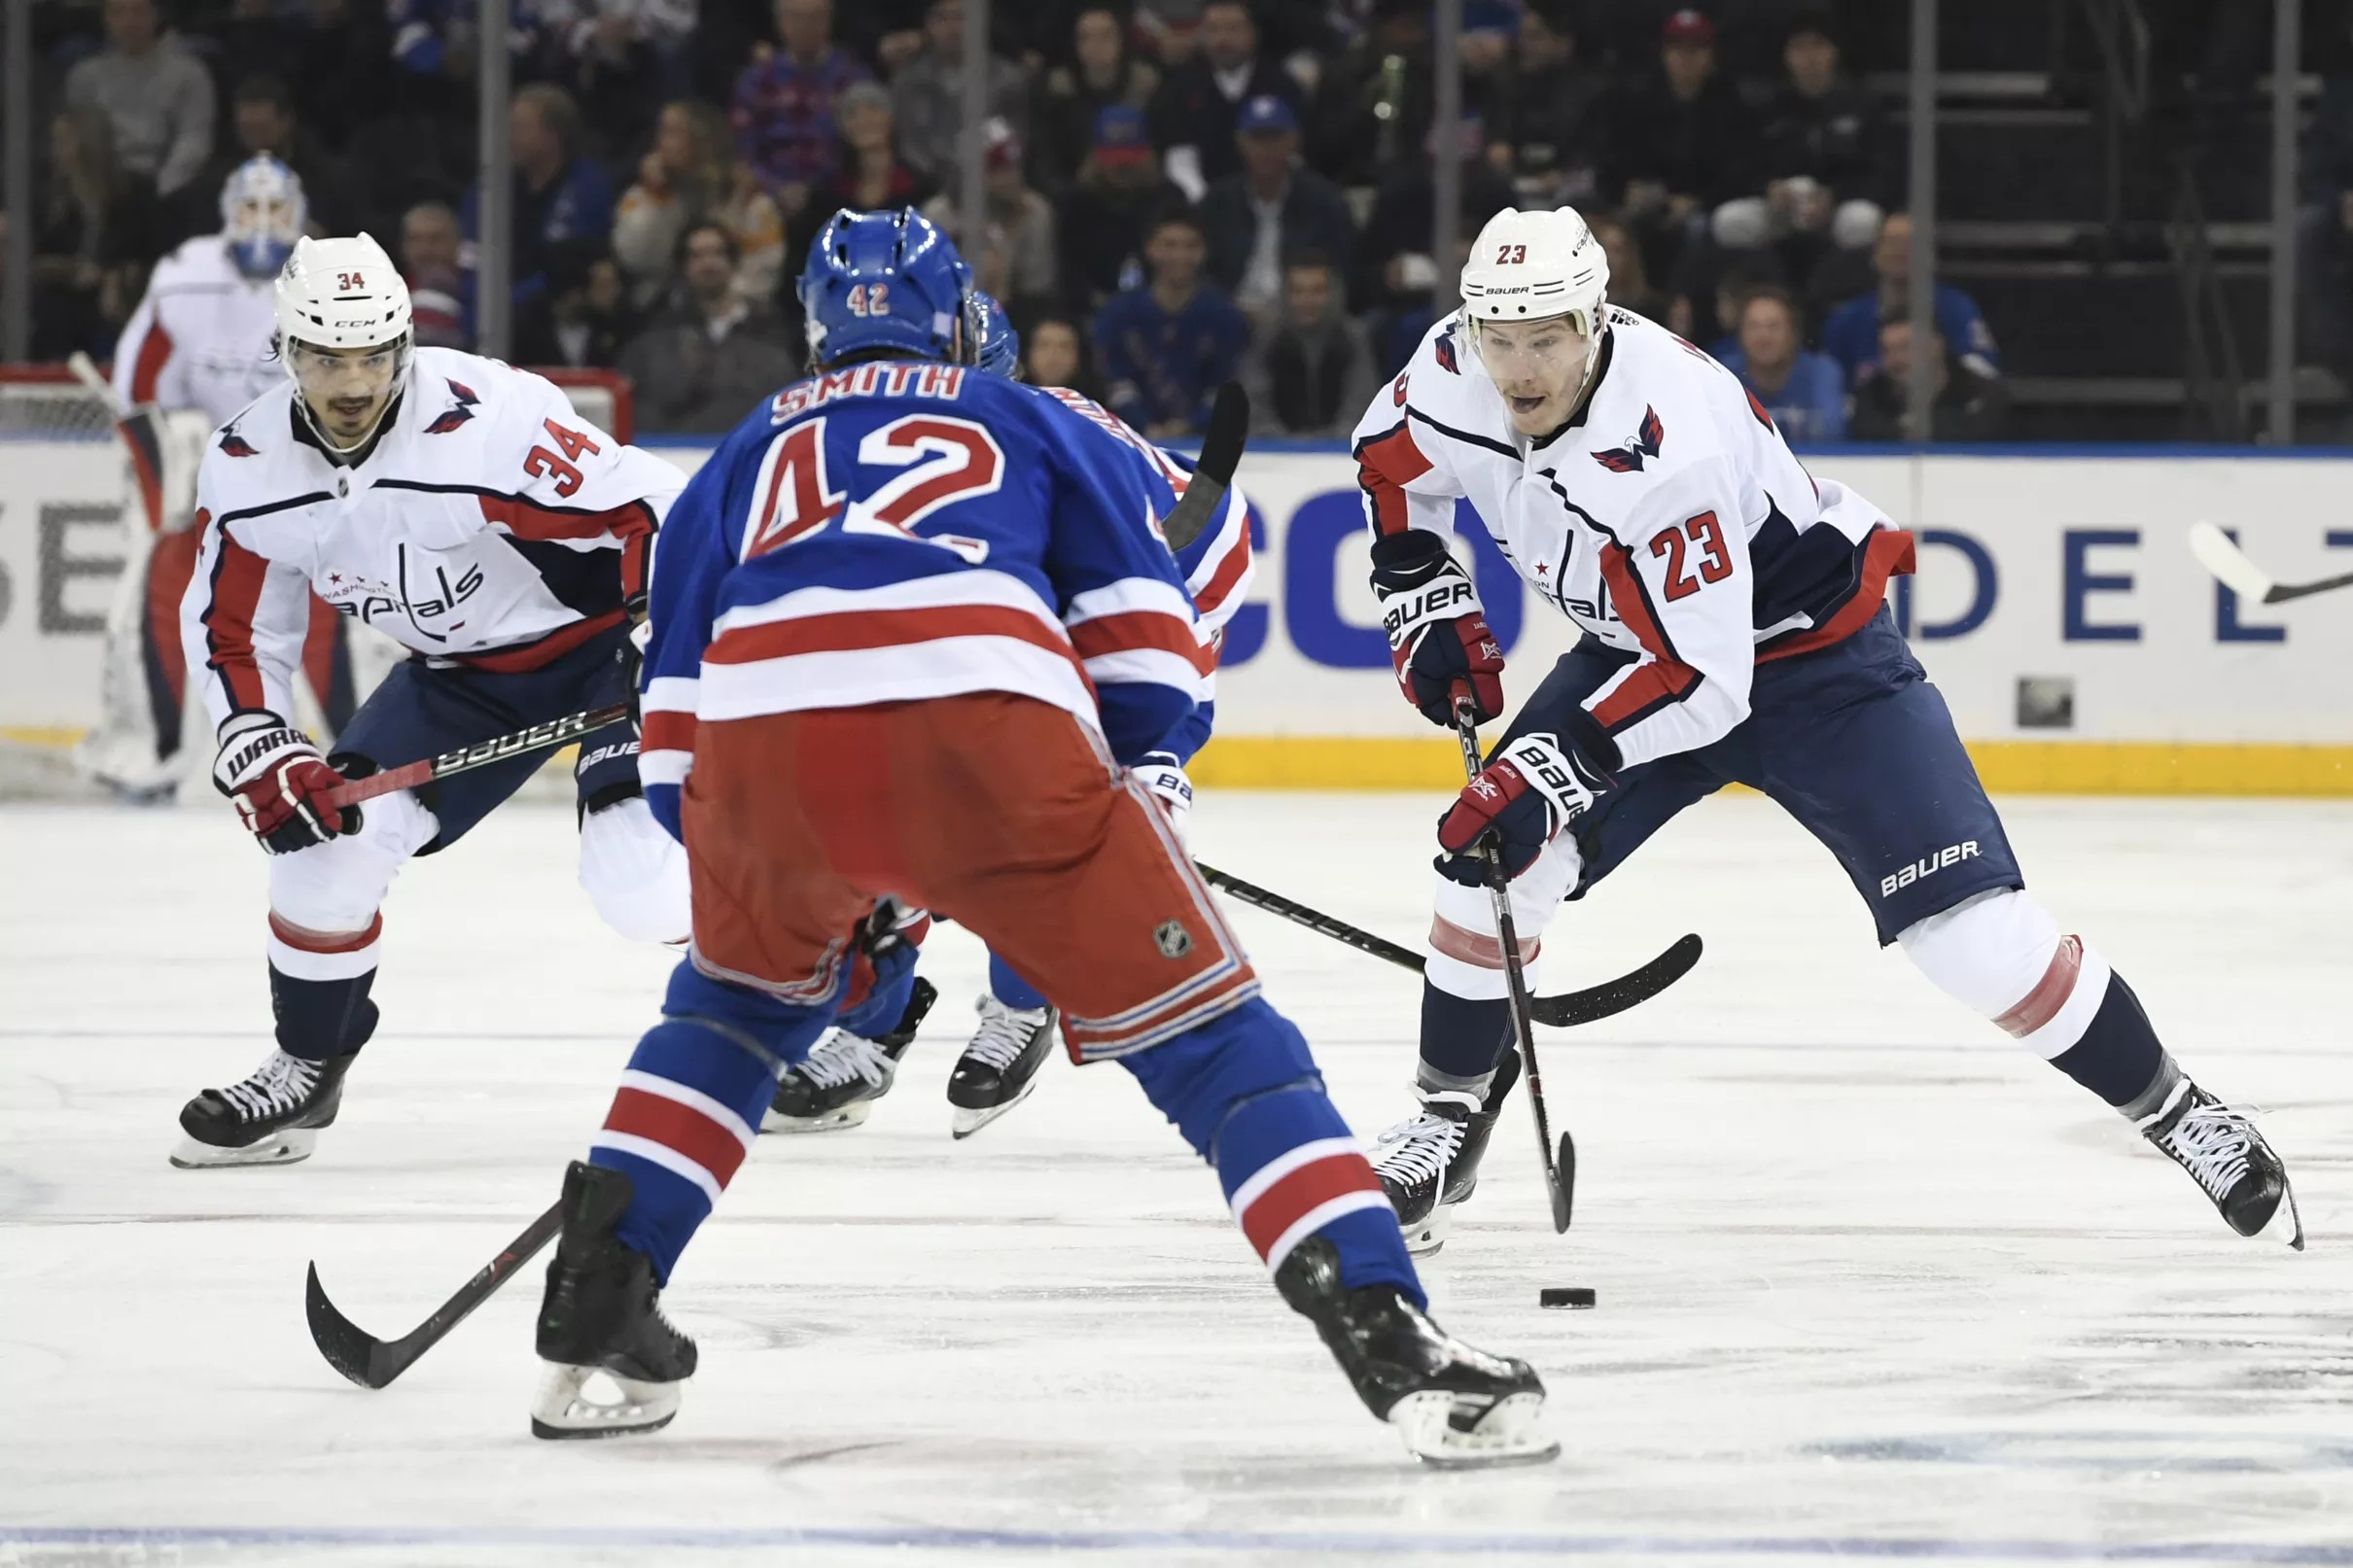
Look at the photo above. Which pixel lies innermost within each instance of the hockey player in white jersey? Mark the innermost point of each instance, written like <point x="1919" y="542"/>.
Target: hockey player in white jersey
<point x="463" y="508"/>
<point x="1735" y="632"/>
<point x="195" y="351"/>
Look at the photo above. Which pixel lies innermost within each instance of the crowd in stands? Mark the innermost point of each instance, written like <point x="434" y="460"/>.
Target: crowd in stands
<point x="1178" y="192"/>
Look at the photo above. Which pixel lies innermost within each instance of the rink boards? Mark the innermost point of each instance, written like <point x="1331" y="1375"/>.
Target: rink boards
<point x="2057" y="605"/>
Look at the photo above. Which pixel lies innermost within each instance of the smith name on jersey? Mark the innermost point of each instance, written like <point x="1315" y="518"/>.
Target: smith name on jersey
<point x="491" y="526"/>
<point x="905" y="530"/>
<point x="1668" y="519"/>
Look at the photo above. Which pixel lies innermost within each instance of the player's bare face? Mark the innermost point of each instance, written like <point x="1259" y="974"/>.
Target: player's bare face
<point x="345" y="388"/>
<point x="1539" y="368"/>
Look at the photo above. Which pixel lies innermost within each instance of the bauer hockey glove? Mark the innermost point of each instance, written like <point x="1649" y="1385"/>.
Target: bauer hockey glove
<point x="1437" y="629"/>
<point x="1164" y="775"/>
<point x="279" y="783"/>
<point x="1529" y="791"/>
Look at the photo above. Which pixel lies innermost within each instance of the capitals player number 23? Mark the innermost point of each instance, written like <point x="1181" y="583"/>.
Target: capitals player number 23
<point x="1714" y="566"/>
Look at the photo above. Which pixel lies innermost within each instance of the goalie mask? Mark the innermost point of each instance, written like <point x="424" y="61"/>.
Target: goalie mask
<point x="344" y="335"/>
<point x="262" y="213"/>
<point x="1534" y="294"/>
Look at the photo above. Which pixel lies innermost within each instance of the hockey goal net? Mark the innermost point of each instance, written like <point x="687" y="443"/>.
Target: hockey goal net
<point x="65" y="481"/>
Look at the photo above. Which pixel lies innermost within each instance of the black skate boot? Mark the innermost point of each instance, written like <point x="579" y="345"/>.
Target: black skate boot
<point x="602" y="1316"/>
<point x="1455" y="1407"/>
<point x="1428" y="1164"/>
<point x="2222" y="1149"/>
<point x="999" y="1065"/>
<point x="271" y="1119"/>
<point x="844" y="1074"/>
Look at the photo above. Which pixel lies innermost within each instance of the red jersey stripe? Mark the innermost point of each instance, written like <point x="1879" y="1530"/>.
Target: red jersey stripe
<point x="155" y="353"/>
<point x="525" y="519"/>
<point x="682" y="1128"/>
<point x="1385" y="465"/>
<point x="1666" y="679"/>
<point x="1290" y="1200"/>
<point x="237" y="577"/>
<point x="1229" y="573"/>
<point x="847" y="631"/>
<point x="667" y="731"/>
<point x="1141" y="629"/>
<point x="545" y="652"/>
<point x="1889" y="552"/>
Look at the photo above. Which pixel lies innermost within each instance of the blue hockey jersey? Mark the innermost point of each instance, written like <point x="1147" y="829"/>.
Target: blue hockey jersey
<point x="905" y="530"/>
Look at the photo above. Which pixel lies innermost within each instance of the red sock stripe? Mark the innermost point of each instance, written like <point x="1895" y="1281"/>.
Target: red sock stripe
<point x="1476" y="947"/>
<point x="682" y="1128"/>
<point x="1290" y="1200"/>
<point x="308" y="941"/>
<point x="2042" y="1004"/>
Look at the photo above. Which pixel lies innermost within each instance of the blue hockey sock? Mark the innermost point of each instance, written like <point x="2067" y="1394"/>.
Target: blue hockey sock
<point x="1011" y="990"/>
<point x="317" y="1019"/>
<point x="2119" y="1058"/>
<point x="1243" y="1091"/>
<point x="690" y="1106"/>
<point x="1462" y="1040"/>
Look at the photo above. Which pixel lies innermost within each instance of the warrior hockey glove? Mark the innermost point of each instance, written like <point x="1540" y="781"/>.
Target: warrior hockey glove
<point x="1164" y="775"/>
<point x="1437" y="630"/>
<point x="1531" y="791"/>
<point x="279" y="783"/>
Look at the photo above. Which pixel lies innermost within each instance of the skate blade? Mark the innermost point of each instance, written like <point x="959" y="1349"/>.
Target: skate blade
<point x="565" y="1408"/>
<point x="840" y="1120"/>
<point x="2285" y="1226"/>
<point x="1508" y="1433"/>
<point x="966" y="1121"/>
<point x="1424" y="1240"/>
<point x="280" y="1148"/>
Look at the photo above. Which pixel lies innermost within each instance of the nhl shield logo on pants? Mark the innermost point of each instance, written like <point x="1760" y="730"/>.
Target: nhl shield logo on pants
<point x="1173" y="939"/>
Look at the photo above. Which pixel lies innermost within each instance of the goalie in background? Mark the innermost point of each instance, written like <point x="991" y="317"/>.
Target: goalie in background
<point x="193" y="355"/>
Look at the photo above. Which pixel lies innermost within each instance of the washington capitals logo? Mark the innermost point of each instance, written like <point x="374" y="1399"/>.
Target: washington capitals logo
<point x="457" y="413"/>
<point x="236" y="445"/>
<point x="1444" y="349"/>
<point x="1630" y="458"/>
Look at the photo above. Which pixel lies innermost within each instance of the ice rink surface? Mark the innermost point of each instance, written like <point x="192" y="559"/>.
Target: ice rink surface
<point x="1872" y="1283"/>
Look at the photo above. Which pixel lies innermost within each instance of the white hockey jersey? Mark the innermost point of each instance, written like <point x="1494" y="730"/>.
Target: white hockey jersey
<point x="490" y="527"/>
<point x="1668" y="519"/>
<point x="200" y="338"/>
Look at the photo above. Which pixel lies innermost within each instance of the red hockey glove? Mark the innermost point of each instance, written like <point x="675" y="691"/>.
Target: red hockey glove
<point x="1437" y="630"/>
<point x="279" y="783"/>
<point x="1528" y="793"/>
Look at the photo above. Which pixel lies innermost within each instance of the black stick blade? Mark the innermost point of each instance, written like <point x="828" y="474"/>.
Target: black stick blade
<point x="1629" y="990"/>
<point x="1221" y="446"/>
<point x="1565" y="1186"/>
<point x="348" y="1348"/>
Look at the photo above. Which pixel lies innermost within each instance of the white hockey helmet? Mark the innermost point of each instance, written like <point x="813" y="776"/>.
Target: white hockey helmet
<point x="1529" y="265"/>
<point x="343" y="294"/>
<point x="262" y="213"/>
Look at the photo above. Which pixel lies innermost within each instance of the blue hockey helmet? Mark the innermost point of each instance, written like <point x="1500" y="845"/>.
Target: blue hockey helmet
<point x="884" y="280"/>
<point x="1000" y="350"/>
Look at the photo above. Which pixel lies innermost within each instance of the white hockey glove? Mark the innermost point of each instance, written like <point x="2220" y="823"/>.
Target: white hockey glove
<point x="279" y="783"/>
<point x="1164" y="775"/>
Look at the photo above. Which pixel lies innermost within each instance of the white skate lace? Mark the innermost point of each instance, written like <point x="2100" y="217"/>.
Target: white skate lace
<point x="277" y="1086"/>
<point x="1004" y="1033"/>
<point x="842" y="1056"/>
<point x="2212" y="1142"/>
<point x="1417" y="1150"/>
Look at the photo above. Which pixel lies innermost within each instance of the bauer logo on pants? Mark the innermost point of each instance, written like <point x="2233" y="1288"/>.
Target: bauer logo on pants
<point x="1927" y="865"/>
<point x="1173" y="939"/>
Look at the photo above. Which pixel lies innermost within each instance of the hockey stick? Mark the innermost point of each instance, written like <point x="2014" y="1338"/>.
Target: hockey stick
<point x="1559" y="1174"/>
<point x="1221" y="445"/>
<point x="2221" y="555"/>
<point x="371" y="1362"/>
<point x="1565" y="1011"/>
<point x="538" y="738"/>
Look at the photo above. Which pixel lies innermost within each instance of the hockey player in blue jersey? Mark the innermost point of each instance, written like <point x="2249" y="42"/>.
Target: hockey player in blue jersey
<point x="846" y="1073"/>
<point x="906" y="639"/>
<point x="1735" y="632"/>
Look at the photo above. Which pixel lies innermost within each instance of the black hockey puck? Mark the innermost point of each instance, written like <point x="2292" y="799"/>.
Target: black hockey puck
<point x="1565" y="1296"/>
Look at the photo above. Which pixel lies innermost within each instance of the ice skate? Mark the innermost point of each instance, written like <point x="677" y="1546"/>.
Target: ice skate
<point x="999" y="1065"/>
<point x="845" y="1074"/>
<point x="601" y="1322"/>
<point x="271" y="1119"/>
<point x="1454" y="1405"/>
<point x="2222" y="1149"/>
<point x="1428" y="1164"/>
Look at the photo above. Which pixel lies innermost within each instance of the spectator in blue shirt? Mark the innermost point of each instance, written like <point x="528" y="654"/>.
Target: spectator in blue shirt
<point x="1166" y="346"/>
<point x="1805" y="393"/>
<point x="1851" y="335"/>
<point x="561" y="197"/>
